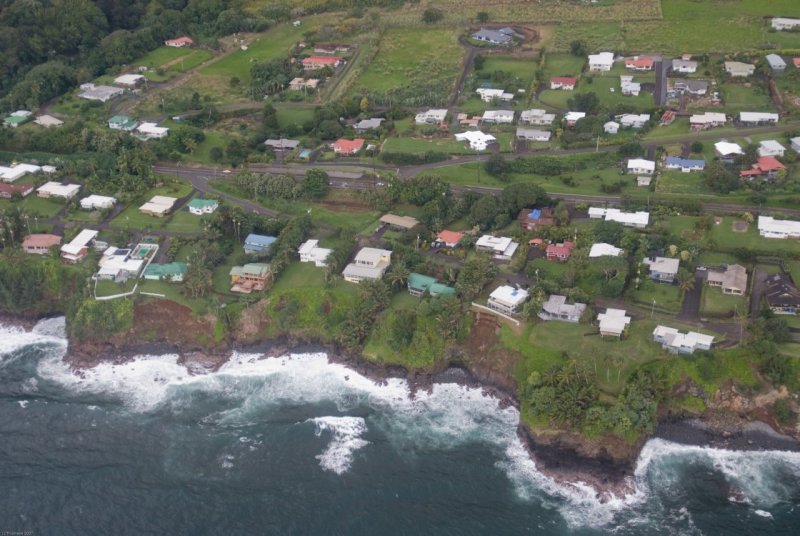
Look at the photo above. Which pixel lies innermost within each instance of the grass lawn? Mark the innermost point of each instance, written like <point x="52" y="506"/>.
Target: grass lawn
<point x="202" y="153"/>
<point x="667" y="297"/>
<point x="418" y="146"/>
<point x="293" y="116"/>
<point x="42" y="207"/>
<point x="84" y="216"/>
<point x="522" y="68"/>
<point x="563" y="65"/>
<point x="161" y="56"/>
<point x="716" y="304"/>
<point x="300" y="275"/>
<point x="173" y="292"/>
<point x="185" y="222"/>
<point x="726" y="238"/>
<point x="738" y="97"/>
<point x="221" y="278"/>
<point x="675" y="182"/>
<point x="133" y="219"/>
<point x="713" y="258"/>
<point x="110" y="288"/>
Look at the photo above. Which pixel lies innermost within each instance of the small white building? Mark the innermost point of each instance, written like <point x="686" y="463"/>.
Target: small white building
<point x="601" y="249"/>
<point x="707" y="120"/>
<point x="681" y="343"/>
<point x="726" y="149"/>
<point x="501" y="247"/>
<point x="536" y="117"/>
<point x="758" y="118"/>
<point x="97" y="202"/>
<point x="611" y="127"/>
<point x="739" y="69"/>
<point x="498" y="117"/>
<point x="628" y="87"/>
<point x="633" y="120"/>
<point x="478" y="141"/>
<point x="310" y="251"/>
<point x="434" y="116"/>
<point x="158" y="206"/>
<point x="613" y="322"/>
<point x="492" y="95"/>
<point x="199" y="207"/>
<point x="795" y="144"/>
<point x="99" y="93"/>
<point x="151" y="131"/>
<point x="602" y="61"/>
<point x="56" y="189"/>
<point x="557" y="308"/>
<point x="771" y="148"/>
<point x="769" y="227"/>
<point x="775" y="62"/>
<point x="507" y="300"/>
<point x="640" y="166"/>
<point x="77" y="249"/>
<point x="783" y="23"/>
<point x="129" y="80"/>
<point x="48" y="121"/>
<point x="684" y="66"/>
<point x="572" y="118"/>
<point x="529" y="134"/>
<point x="639" y="220"/>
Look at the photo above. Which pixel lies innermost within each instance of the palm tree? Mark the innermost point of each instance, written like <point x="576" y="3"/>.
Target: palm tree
<point x="398" y="276"/>
<point x="685" y="280"/>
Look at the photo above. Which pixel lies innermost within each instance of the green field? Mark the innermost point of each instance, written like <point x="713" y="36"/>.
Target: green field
<point x="35" y="206"/>
<point x="418" y="146"/>
<point x="161" y="56"/>
<point x="675" y="182"/>
<point x="715" y="303"/>
<point x="173" y="292"/>
<point x="184" y="221"/>
<point x="131" y="218"/>
<point x="563" y="65"/>
<point x="293" y="116"/>
<point x="738" y="97"/>
<point x="667" y="297"/>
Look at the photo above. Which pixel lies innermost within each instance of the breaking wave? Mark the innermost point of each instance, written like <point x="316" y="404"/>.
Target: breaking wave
<point x="346" y="439"/>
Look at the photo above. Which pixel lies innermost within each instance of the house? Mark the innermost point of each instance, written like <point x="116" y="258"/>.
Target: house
<point x="640" y="166"/>
<point x="628" y="87"/>
<point x="559" y="252"/>
<point x="529" y="134"/>
<point x="17" y="118"/>
<point x="256" y="244"/>
<point x="727" y="151"/>
<point x="172" y="272"/>
<point x="795" y="144"/>
<point x="253" y="276"/>
<point x="48" y="121"/>
<point x="466" y="121"/>
<point x="771" y="148"/>
<point x="310" y="251"/>
<point x="681" y="343"/>
<point x="56" y="189"/>
<point x="782" y="23"/>
<point x="686" y="165"/>
<point x="492" y="95"/>
<point x="613" y="322"/>
<point x="331" y="48"/>
<point x="767" y="167"/>
<point x="97" y="202"/>
<point x="8" y="191"/>
<point x="707" y="120"/>
<point x="129" y="80"/>
<point x="507" y="300"/>
<point x="640" y="63"/>
<point x="536" y="117"/>
<point x="644" y="180"/>
<point x="603" y="61"/>
<point x="202" y="206"/>
<point x="449" y="239"/>
<point x="118" y="265"/>
<point x="775" y="62"/>
<point x="282" y="144"/>
<point x="122" y="122"/>
<point x="478" y="141"/>
<point x="566" y="83"/>
<point x="737" y="68"/>
<point x="498" y="117"/>
<point x="691" y="86"/>
<point x="368" y="124"/>
<point x="401" y="223"/>
<point x="99" y="93"/>
<point x="782" y="295"/>
<point x="611" y="127"/>
<point x="369" y="263"/>
<point x="769" y="227"/>
<point x="151" y="131"/>
<point x="494" y="37"/>
<point x="732" y="280"/>
<point x="684" y="66"/>
<point x="17" y="171"/>
<point x="78" y="248"/>
<point x="299" y="84"/>
<point x="530" y="219"/>
<point x="572" y="118"/>
<point x="601" y="249"/>
<point x="314" y="63"/>
<point x="501" y="247"/>
<point x="40" y="244"/>
<point x="638" y="220"/>
<point x="758" y="118"/>
<point x="662" y="269"/>
<point x="419" y="284"/>
<point x="434" y="116"/>
<point x="158" y="206"/>
<point x="179" y="42"/>
<point x="633" y="120"/>
<point x="347" y="147"/>
<point x="557" y="308"/>
<point x="796" y="62"/>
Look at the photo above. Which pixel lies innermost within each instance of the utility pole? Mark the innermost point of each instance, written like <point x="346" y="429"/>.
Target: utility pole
<point x="652" y="309"/>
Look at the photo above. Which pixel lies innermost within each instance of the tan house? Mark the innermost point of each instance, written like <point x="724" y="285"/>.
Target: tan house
<point x="369" y="263"/>
<point x="40" y="244"/>
<point x="245" y="279"/>
<point x="732" y="281"/>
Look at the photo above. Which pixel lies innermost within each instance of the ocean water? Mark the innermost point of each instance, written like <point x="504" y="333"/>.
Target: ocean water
<point x="295" y="445"/>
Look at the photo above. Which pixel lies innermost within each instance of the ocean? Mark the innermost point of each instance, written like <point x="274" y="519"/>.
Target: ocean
<point x="296" y="445"/>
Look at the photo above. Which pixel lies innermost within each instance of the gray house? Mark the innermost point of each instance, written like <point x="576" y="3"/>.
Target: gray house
<point x="503" y="36"/>
<point x="557" y="308"/>
<point x="663" y="269"/>
<point x="776" y="63"/>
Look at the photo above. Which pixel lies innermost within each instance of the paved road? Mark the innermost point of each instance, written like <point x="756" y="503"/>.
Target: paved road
<point x="759" y="286"/>
<point x="690" y="309"/>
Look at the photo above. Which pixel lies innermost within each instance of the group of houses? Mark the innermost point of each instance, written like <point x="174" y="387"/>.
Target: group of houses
<point x="143" y="131"/>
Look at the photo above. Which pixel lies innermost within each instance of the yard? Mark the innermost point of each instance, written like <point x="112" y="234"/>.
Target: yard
<point x="132" y="218"/>
<point x="740" y="97"/>
<point x="35" y="206"/>
<point x="184" y="221"/>
<point x="667" y="297"/>
<point x="563" y="65"/>
<point x="447" y="145"/>
<point x="173" y="292"/>
<point x="676" y="182"/>
<point x="166" y="62"/>
<point x="716" y="304"/>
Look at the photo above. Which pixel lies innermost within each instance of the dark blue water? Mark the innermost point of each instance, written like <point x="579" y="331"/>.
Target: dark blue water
<point x="298" y="446"/>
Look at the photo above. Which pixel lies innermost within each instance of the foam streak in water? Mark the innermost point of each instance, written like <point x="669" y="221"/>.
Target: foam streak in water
<point x="346" y="439"/>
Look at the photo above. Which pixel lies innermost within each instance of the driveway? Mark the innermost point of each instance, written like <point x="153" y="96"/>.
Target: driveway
<point x="690" y="310"/>
<point x="759" y="286"/>
<point x="660" y="93"/>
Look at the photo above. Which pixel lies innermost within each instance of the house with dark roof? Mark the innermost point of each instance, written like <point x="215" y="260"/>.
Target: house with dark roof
<point x="686" y="165"/>
<point x="504" y="36"/>
<point x="534" y="218"/>
<point x="782" y="295"/>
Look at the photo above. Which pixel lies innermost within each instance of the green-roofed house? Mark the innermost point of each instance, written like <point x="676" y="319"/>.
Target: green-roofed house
<point x="122" y="122"/>
<point x="250" y="277"/>
<point x="419" y="284"/>
<point x="202" y="206"/>
<point x="172" y="272"/>
<point x="17" y="118"/>
<point x="440" y="289"/>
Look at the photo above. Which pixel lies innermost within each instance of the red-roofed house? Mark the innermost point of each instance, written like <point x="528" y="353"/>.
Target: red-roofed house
<point x="7" y="191"/>
<point x="313" y="63"/>
<point x="40" y="244"/>
<point x="767" y="167"/>
<point x="796" y="62"/>
<point x="450" y="239"/>
<point x="179" y="42"/>
<point x="563" y="82"/>
<point x="559" y="252"/>
<point x="639" y="63"/>
<point x="348" y="147"/>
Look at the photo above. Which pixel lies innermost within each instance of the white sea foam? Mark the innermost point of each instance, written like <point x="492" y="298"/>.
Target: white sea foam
<point x="47" y="332"/>
<point x="346" y="438"/>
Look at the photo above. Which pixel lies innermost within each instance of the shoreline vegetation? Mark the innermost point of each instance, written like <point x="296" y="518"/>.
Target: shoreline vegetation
<point x="565" y="456"/>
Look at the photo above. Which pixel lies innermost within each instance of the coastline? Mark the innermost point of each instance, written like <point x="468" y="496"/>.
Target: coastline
<point x="564" y="456"/>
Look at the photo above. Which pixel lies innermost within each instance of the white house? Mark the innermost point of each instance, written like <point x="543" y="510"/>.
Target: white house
<point x="158" y="206"/>
<point x="770" y="148"/>
<point x="56" y="189"/>
<point x="601" y="249"/>
<point x="198" y="207"/>
<point x="686" y="165"/>
<point x="95" y="202"/>
<point x="775" y="62"/>
<point x="638" y="220"/>
<point x="572" y="117"/>
<point x="501" y="247"/>
<point x="151" y="131"/>
<point x="507" y="300"/>
<point x="684" y="66"/>
<point x="433" y="116"/>
<point x="478" y="141"/>
<point x="611" y="127"/>
<point x="707" y="120"/>
<point x="78" y="248"/>
<point x="530" y="134"/>
<point x="311" y="252"/>
<point x="603" y="61"/>
<point x="628" y="87"/>
<point x="640" y="166"/>
<point x="490" y="94"/>
<point x="782" y="23"/>
<point x="15" y="172"/>
<point x="726" y="149"/>
<point x="613" y="322"/>
<point x="557" y="308"/>
<point x="633" y="120"/>
<point x="369" y="263"/>
<point x="663" y="269"/>
<point x="498" y="117"/>
<point x="795" y="144"/>
<point x="737" y="68"/>
<point x="769" y="227"/>
<point x="681" y="343"/>
<point x="758" y="118"/>
<point x="536" y="117"/>
<point x="129" y="80"/>
<point x="48" y="121"/>
<point x="99" y="93"/>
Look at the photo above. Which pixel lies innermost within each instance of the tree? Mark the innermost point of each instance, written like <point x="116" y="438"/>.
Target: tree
<point x="719" y="178"/>
<point x="697" y="147"/>
<point x="479" y="62"/>
<point x="496" y="165"/>
<point x="216" y="154"/>
<point x="578" y="48"/>
<point x="432" y="15"/>
<point x="686" y="280"/>
<point x="315" y="184"/>
<point x="474" y="275"/>
<point x="397" y="276"/>
<point x="402" y="328"/>
<point x="610" y="232"/>
<point x="484" y="212"/>
<point x="364" y="105"/>
<point x="482" y="17"/>
<point x="584" y="102"/>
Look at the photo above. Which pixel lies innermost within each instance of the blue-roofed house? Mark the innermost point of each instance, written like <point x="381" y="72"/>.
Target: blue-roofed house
<point x="530" y="219"/>
<point x="256" y="244"/>
<point x="684" y="164"/>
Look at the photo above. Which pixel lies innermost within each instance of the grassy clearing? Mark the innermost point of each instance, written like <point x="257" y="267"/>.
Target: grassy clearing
<point x="716" y="304"/>
<point x="675" y="182"/>
<point x="202" y="154"/>
<point x="185" y="222"/>
<point x="739" y="97"/>
<point x="161" y="56"/>
<point x="418" y="146"/>
<point x="172" y="292"/>
<point x="131" y="218"/>
<point x="293" y="116"/>
<point x="563" y="65"/>
<point x="38" y="206"/>
<point x="667" y="297"/>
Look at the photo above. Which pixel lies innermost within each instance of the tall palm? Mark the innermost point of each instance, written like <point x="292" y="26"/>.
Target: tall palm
<point x="685" y="280"/>
<point x="398" y="276"/>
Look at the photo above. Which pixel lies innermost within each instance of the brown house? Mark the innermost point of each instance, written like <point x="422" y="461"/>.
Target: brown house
<point x="534" y="218"/>
<point x="40" y="244"/>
